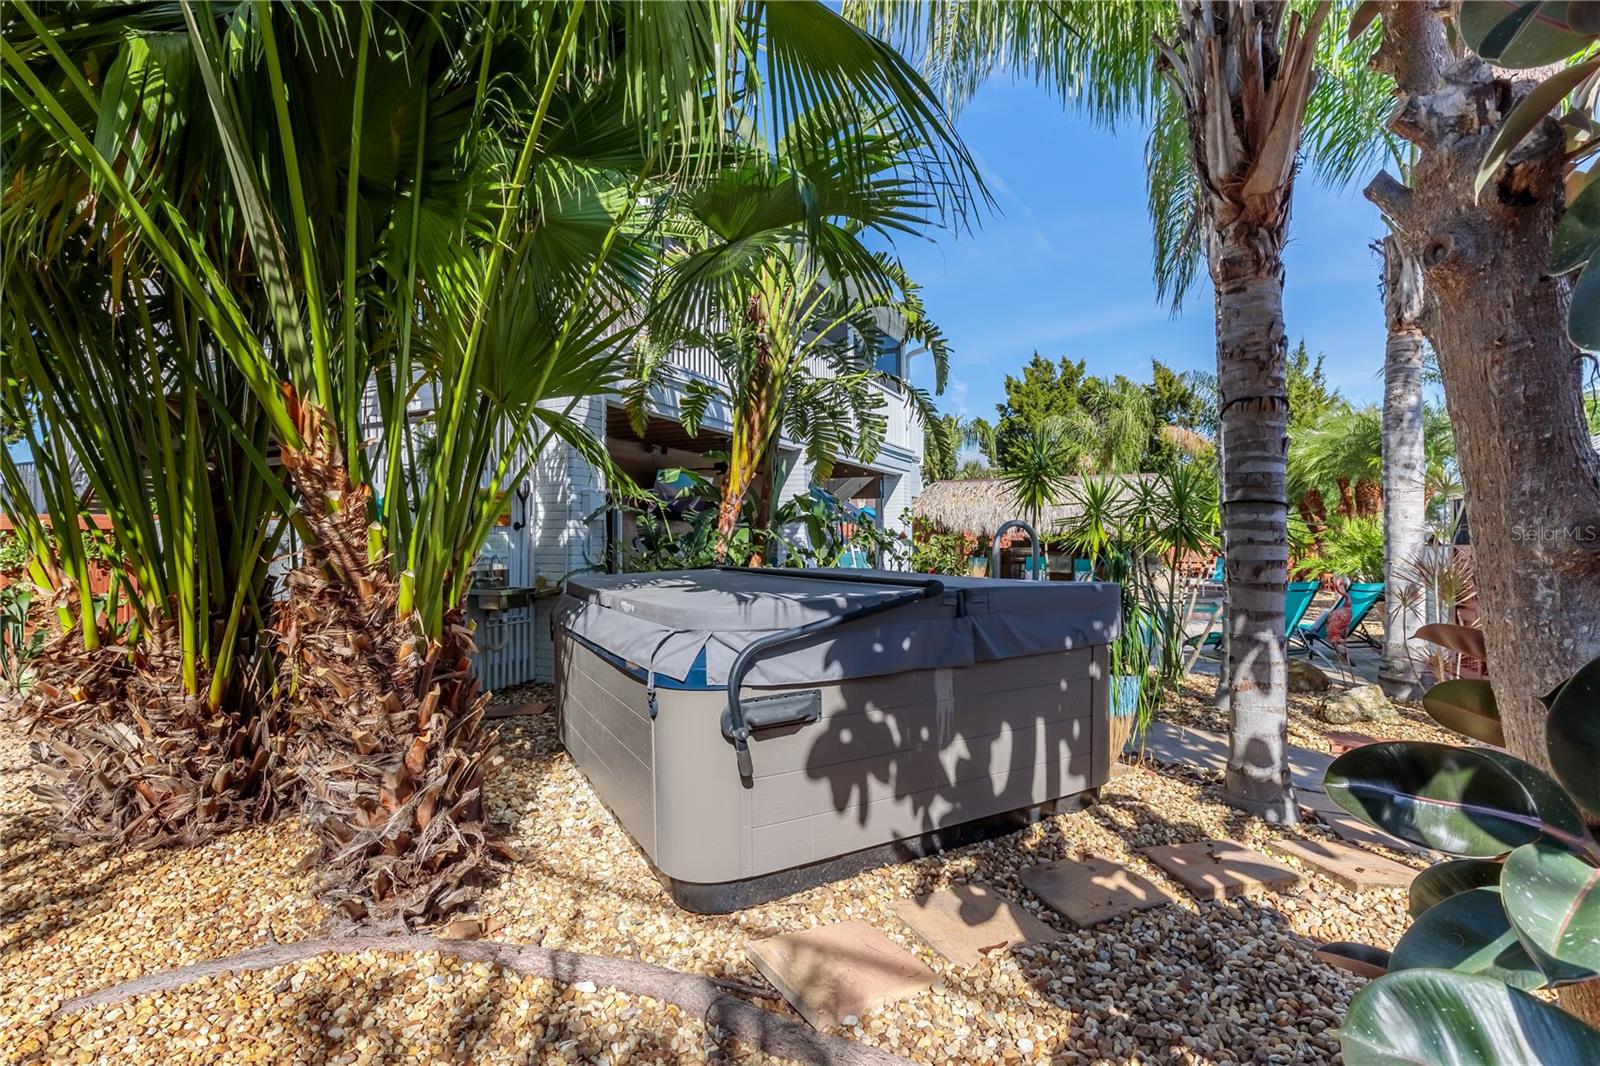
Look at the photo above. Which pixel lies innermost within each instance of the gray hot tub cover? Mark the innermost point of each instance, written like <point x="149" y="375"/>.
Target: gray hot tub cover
<point x="662" y="621"/>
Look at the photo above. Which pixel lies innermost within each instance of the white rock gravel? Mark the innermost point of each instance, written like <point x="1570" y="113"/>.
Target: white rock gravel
<point x="1232" y="981"/>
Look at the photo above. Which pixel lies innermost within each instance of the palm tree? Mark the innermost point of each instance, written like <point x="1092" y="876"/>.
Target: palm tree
<point x="1404" y="461"/>
<point x="1241" y="96"/>
<point x="439" y="203"/>
<point x="1339" y="455"/>
<point x="1042" y="465"/>
<point x="945" y="436"/>
<point x="1122" y="421"/>
<point x="770" y="272"/>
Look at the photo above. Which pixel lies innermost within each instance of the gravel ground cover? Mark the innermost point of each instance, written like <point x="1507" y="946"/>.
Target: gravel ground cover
<point x="1232" y="981"/>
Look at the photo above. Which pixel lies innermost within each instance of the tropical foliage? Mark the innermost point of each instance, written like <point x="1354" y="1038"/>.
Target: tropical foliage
<point x="1108" y="425"/>
<point x="680" y="531"/>
<point x="1516" y="908"/>
<point x="771" y="272"/>
<point x="1133" y="531"/>
<point x="455" y="210"/>
<point x="1349" y="546"/>
<point x="1040" y="466"/>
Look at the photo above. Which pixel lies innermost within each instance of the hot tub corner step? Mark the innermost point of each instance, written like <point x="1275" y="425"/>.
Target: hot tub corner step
<point x="840" y="971"/>
<point x="1090" y="889"/>
<point x="967" y="922"/>
<point x="1212" y="869"/>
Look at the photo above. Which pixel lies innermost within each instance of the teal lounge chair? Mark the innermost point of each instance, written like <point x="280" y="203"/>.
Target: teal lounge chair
<point x="1297" y="599"/>
<point x="1362" y="596"/>
<point x="1220" y="573"/>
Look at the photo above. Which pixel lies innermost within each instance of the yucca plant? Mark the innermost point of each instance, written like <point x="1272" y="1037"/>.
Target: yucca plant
<point x="1039" y="471"/>
<point x="1132" y="530"/>
<point x="1516" y="909"/>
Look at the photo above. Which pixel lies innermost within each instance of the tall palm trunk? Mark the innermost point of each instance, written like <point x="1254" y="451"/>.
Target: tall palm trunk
<point x="755" y="431"/>
<point x="1512" y="377"/>
<point x="1404" y="464"/>
<point x="1252" y="374"/>
<point x="1314" y="513"/>
<point x="1245" y="84"/>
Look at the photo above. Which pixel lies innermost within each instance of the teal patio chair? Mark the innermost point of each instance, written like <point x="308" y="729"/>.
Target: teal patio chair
<point x="1220" y="573"/>
<point x="1297" y="599"/>
<point x="1362" y="595"/>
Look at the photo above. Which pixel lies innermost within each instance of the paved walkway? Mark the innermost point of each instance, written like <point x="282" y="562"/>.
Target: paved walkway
<point x="1200" y="749"/>
<point x="1363" y="668"/>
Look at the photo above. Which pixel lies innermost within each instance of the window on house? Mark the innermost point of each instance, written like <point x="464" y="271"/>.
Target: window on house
<point x="889" y="350"/>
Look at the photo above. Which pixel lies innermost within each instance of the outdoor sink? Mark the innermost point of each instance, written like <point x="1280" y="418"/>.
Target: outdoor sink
<point x="503" y="598"/>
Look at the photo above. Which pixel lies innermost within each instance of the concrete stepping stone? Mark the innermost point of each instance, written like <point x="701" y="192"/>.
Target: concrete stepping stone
<point x="967" y="922"/>
<point x="1353" y="867"/>
<point x="841" y="971"/>
<point x="1090" y="889"/>
<point x="1212" y="869"/>
<point x="1353" y="830"/>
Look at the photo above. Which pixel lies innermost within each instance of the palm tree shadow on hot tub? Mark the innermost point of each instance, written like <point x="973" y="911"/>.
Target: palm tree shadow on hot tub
<point x="966" y="711"/>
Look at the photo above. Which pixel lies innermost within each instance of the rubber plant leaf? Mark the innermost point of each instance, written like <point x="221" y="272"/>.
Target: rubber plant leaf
<point x="1440" y="1016"/>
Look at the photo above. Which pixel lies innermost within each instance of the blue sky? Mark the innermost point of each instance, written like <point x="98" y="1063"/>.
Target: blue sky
<point x="1063" y="264"/>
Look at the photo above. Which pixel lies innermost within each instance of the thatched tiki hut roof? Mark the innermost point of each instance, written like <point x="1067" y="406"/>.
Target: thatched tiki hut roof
<point x="982" y="505"/>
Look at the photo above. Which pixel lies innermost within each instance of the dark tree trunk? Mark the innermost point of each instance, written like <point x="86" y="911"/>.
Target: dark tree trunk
<point x="1347" y="499"/>
<point x="1512" y="378"/>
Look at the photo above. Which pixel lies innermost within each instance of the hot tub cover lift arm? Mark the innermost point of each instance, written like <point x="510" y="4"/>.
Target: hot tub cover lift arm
<point x="786" y="709"/>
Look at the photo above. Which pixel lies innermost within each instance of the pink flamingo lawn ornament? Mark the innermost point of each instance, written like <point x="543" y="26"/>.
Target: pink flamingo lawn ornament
<point x="1339" y="620"/>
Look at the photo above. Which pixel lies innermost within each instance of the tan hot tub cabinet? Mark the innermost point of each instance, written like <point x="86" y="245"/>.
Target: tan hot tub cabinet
<point x="758" y="732"/>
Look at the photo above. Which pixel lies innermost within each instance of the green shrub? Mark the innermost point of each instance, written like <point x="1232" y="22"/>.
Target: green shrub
<point x="940" y="553"/>
<point x="1351" y="547"/>
<point x="13" y="553"/>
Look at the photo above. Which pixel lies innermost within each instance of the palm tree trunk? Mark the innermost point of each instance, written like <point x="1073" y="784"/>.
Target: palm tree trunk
<point x="1314" y="513"/>
<point x="1404" y="466"/>
<point x="1368" y="498"/>
<point x="1347" y="499"/>
<point x="1252" y="352"/>
<point x="388" y="735"/>
<point x="761" y="489"/>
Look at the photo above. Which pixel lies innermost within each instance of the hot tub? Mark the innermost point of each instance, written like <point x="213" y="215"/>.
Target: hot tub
<point x="762" y="731"/>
